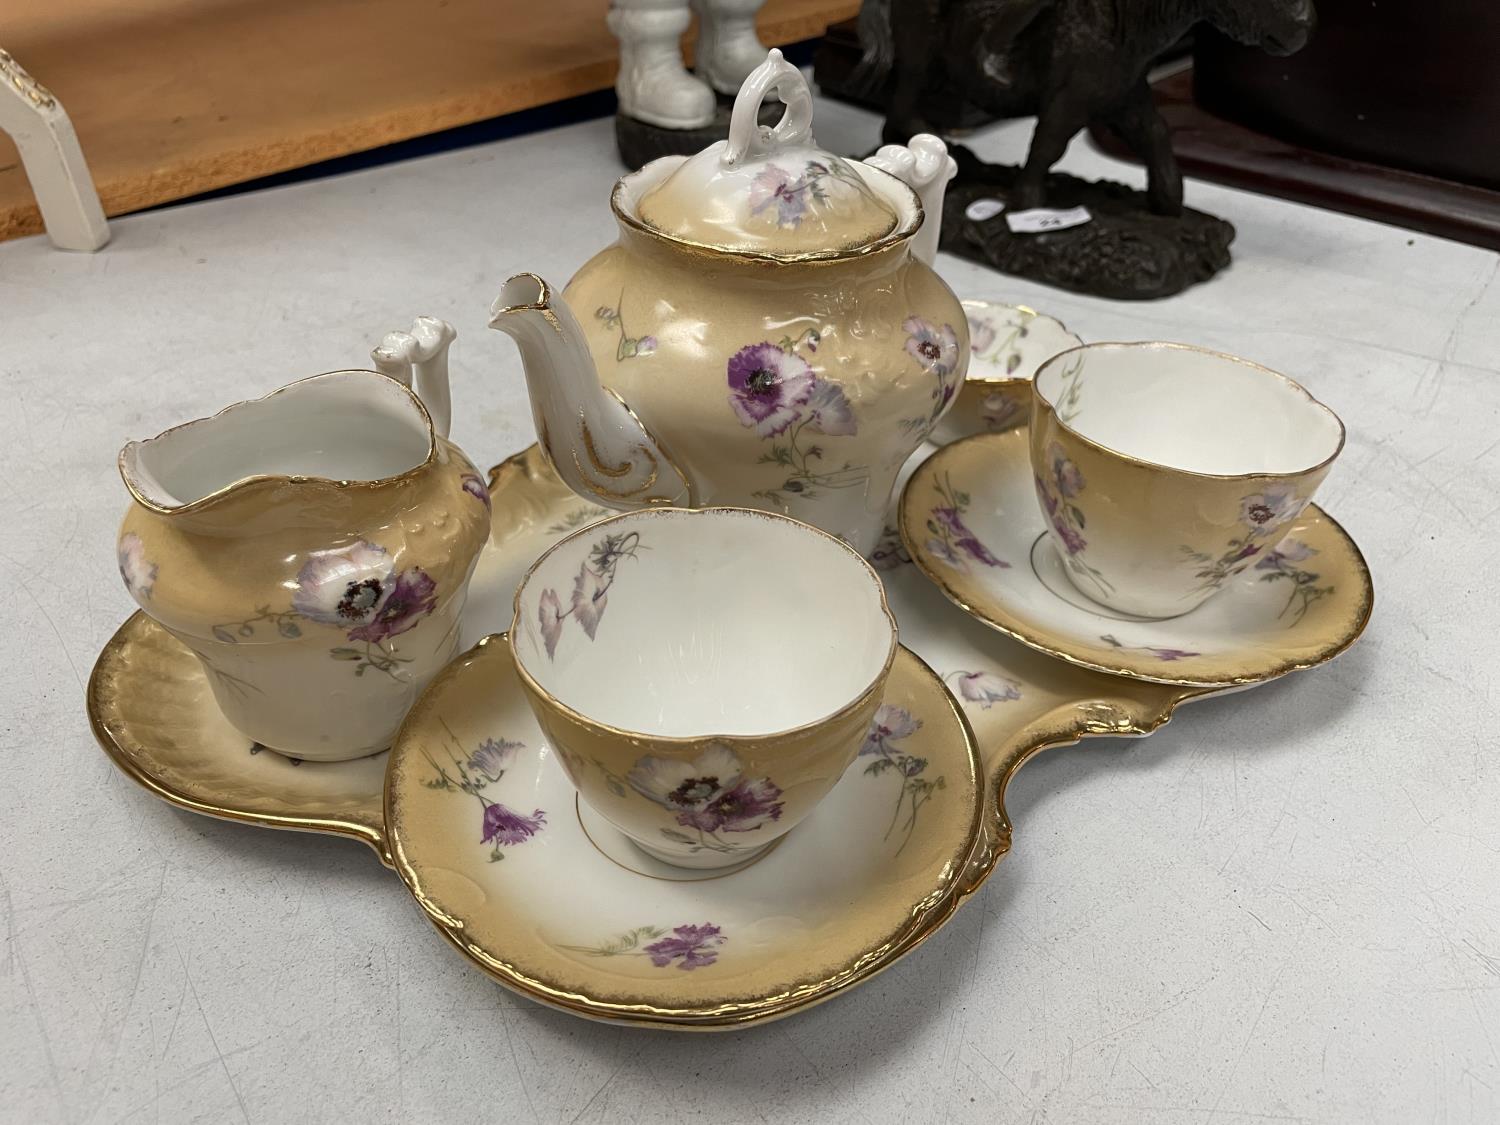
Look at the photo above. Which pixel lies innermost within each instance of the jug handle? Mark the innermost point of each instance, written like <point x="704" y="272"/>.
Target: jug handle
<point x="419" y="359"/>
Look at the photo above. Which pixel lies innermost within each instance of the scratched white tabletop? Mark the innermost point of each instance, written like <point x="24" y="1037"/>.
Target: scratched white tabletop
<point x="1283" y="906"/>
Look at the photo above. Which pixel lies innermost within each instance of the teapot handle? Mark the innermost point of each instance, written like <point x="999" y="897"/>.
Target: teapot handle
<point x="924" y="165"/>
<point x="747" y="136"/>
<point x="423" y="353"/>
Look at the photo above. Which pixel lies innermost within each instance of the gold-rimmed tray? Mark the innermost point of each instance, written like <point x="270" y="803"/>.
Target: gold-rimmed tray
<point x="151" y="706"/>
<point x="154" y="714"/>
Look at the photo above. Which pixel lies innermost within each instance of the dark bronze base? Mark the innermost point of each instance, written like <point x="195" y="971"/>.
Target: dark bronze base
<point x="1126" y="252"/>
<point x="1214" y="149"/>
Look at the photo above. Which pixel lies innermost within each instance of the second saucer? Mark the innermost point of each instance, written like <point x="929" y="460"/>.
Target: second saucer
<point x="970" y="519"/>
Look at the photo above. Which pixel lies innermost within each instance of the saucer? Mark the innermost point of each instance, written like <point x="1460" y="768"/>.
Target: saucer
<point x="555" y="903"/>
<point x="154" y="713"/>
<point x="1007" y="343"/>
<point x="971" y="521"/>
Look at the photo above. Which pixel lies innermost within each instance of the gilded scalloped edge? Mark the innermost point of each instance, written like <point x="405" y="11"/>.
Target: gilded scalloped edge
<point x="370" y="831"/>
<point x="925" y="918"/>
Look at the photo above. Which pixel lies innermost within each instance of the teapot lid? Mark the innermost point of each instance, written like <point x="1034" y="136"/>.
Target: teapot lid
<point x="769" y="191"/>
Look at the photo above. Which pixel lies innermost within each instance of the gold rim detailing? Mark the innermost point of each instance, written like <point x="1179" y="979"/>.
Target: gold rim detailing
<point x="986" y="608"/>
<point x="141" y="673"/>
<point x="918" y="923"/>
<point x="261" y="479"/>
<point x="902" y="233"/>
<point x="1008" y="380"/>
<point x="743" y="740"/>
<point x="1160" y="345"/>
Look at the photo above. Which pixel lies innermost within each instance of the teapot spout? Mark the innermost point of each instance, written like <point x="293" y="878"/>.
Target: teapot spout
<point x="598" y="446"/>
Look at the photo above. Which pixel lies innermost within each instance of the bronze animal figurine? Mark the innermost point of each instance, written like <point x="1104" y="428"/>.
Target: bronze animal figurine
<point x="1069" y="62"/>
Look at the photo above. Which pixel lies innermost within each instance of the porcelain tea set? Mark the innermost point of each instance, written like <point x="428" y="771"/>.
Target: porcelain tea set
<point x="722" y="788"/>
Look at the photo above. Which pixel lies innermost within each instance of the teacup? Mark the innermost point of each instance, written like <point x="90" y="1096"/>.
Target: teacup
<point x="705" y="676"/>
<point x="1165" y="470"/>
<point x="1007" y="344"/>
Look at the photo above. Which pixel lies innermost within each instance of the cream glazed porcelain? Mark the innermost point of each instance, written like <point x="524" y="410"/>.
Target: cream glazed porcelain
<point x="1007" y="344"/>
<point x="1166" y="470"/>
<point x="699" y="707"/>
<point x="767" y="332"/>
<point x="970" y="520"/>
<point x="312" y="548"/>
<point x="553" y="901"/>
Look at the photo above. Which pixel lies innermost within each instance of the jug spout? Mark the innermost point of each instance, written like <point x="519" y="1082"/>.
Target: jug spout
<point x="598" y="446"/>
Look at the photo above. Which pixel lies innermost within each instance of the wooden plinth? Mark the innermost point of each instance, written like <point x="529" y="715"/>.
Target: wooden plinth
<point x="176" y="97"/>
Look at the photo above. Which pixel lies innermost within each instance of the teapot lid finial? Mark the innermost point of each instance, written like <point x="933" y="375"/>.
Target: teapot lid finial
<point x="769" y="190"/>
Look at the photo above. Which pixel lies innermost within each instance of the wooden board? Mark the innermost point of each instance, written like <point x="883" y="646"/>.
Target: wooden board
<point x="175" y="97"/>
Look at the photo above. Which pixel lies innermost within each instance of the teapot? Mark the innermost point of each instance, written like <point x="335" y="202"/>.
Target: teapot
<point x="768" y="331"/>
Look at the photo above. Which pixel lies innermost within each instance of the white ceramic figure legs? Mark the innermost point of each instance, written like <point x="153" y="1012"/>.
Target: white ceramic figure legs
<point x="54" y="163"/>
<point x="653" y="84"/>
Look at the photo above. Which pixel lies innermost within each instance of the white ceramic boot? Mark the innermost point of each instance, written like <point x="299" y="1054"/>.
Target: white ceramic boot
<point x="653" y="85"/>
<point x="728" y="47"/>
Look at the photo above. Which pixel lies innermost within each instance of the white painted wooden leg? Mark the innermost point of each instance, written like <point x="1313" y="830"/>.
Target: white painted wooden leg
<point x="54" y="163"/>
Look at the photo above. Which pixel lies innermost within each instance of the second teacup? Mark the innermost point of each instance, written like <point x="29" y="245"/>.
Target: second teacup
<point x="1164" y="470"/>
<point x="705" y="676"/>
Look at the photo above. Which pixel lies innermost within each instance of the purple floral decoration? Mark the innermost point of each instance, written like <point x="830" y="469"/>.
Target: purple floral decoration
<point x="1166" y="654"/>
<point x="410" y="596"/>
<point x="628" y="346"/>
<point x="473" y="773"/>
<point x="689" y="947"/>
<point x="890" y="726"/>
<point x="1280" y="565"/>
<point x="1263" y="517"/>
<point x="692" y="946"/>
<point x="1058" y="492"/>
<point x="709" y="795"/>
<point x="950" y="537"/>
<point x="1001" y="411"/>
<point x="492" y="756"/>
<point x="936" y="349"/>
<point x="768" y="386"/>
<point x="985" y="688"/>
<point x="505" y="827"/>
<point x="357" y="589"/>
<point x="475" y="488"/>
<point x="590" y="590"/>
<point x="775" y="190"/>
<point x="982" y="334"/>
<point x="774" y="391"/>
<point x="137" y="571"/>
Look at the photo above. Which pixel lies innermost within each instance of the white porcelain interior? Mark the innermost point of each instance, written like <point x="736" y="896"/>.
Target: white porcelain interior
<point x="720" y="621"/>
<point x="1012" y="341"/>
<point x="1189" y="409"/>
<point x="342" y="426"/>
